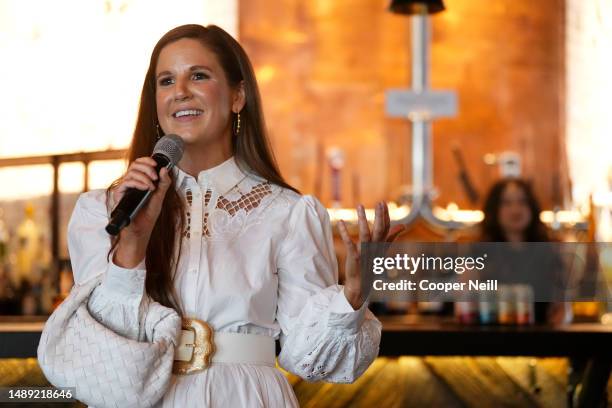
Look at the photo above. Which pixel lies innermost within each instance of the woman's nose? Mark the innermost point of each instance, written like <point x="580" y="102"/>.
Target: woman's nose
<point x="181" y="91"/>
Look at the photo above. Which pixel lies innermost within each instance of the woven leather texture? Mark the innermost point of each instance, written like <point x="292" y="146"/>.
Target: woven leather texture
<point x="107" y="369"/>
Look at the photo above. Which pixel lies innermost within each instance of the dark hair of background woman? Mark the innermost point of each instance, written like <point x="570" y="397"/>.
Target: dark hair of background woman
<point x="491" y="229"/>
<point x="251" y="149"/>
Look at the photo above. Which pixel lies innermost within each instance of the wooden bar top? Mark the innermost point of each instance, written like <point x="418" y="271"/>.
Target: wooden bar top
<point x="429" y="335"/>
<point x="408" y="335"/>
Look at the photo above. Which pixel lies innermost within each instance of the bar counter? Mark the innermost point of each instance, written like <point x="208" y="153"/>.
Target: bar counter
<point x="435" y="336"/>
<point x="410" y="335"/>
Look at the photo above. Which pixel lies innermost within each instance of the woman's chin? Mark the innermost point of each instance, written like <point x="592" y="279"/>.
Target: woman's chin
<point x="199" y="142"/>
<point x="517" y="229"/>
<point x="188" y="137"/>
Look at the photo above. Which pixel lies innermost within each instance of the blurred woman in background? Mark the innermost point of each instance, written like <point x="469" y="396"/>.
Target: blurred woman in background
<point x="512" y="214"/>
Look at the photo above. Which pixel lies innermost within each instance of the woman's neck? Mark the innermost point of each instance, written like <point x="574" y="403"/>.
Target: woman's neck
<point x="514" y="236"/>
<point x="196" y="158"/>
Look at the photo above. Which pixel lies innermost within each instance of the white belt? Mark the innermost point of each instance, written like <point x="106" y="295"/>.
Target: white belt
<point x="199" y="346"/>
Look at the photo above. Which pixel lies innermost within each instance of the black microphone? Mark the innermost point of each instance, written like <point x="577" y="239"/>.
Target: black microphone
<point x="167" y="153"/>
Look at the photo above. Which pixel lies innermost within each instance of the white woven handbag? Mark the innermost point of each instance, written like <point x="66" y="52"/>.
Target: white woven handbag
<point x="107" y="369"/>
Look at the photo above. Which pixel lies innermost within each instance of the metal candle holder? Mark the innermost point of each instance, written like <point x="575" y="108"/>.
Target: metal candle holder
<point x="421" y="105"/>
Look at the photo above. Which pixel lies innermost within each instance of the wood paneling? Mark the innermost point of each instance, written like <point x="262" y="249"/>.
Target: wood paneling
<point x="323" y="67"/>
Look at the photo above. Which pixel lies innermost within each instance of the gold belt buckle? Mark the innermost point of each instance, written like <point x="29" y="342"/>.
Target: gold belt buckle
<point x="203" y="347"/>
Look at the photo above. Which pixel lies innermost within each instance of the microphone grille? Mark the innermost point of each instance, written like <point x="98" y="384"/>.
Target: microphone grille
<point x="171" y="146"/>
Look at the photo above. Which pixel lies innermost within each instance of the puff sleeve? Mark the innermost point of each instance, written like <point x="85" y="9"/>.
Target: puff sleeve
<point x="118" y="302"/>
<point x="323" y="337"/>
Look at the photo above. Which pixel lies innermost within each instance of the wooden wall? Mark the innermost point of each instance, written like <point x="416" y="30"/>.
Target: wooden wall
<point x="323" y="67"/>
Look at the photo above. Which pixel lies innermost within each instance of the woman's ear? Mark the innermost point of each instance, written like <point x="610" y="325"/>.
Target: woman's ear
<point x="239" y="98"/>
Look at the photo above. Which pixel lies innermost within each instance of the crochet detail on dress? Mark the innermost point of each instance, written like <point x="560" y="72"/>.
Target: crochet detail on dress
<point x="248" y="201"/>
<point x="230" y="214"/>
<point x="336" y="361"/>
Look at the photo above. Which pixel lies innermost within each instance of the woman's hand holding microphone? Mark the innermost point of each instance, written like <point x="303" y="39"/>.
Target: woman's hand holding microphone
<point x="134" y="238"/>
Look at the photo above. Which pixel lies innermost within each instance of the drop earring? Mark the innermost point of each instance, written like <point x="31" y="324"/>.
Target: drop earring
<point x="159" y="136"/>
<point x="237" y="124"/>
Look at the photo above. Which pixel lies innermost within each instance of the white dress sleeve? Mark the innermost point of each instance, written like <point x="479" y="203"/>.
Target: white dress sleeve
<point x="118" y="302"/>
<point x="323" y="337"/>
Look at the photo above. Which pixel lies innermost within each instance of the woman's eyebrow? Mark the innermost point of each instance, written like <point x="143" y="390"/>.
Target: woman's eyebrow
<point x="193" y="68"/>
<point x="197" y="67"/>
<point x="163" y="73"/>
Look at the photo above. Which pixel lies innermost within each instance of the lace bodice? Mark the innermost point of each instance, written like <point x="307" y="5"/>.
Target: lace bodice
<point x="231" y="212"/>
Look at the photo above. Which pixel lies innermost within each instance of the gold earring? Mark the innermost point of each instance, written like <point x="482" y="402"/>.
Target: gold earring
<point x="237" y="124"/>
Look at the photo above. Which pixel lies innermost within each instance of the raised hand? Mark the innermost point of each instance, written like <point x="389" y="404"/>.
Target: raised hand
<point x="382" y="232"/>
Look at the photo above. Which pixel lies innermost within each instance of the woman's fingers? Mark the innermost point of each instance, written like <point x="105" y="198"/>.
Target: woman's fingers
<point x="142" y="171"/>
<point x="164" y="182"/>
<point x="140" y="175"/>
<point x="379" y="231"/>
<point x="364" y="229"/>
<point x="157" y="198"/>
<point x="394" y="232"/>
<point x="141" y="178"/>
<point x="146" y="160"/>
<point x="352" y="277"/>
<point x="387" y="219"/>
<point x="135" y="183"/>
<point x="346" y="238"/>
<point x="145" y="168"/>
<point x="382" y="223"/>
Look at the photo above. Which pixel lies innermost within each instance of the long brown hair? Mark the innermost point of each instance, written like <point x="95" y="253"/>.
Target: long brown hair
<point x="491" y="229"/>
<point x="251" y="149"/>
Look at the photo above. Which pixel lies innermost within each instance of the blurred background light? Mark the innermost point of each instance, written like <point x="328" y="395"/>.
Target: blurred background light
<point x="71" y="78"/>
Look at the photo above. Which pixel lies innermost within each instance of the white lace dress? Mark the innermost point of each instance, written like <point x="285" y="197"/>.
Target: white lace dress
<point x="256" y="258"/>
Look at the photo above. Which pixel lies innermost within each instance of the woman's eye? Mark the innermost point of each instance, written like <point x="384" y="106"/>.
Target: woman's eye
<point x="165" y="81"/>
<point x="200" y="75"/>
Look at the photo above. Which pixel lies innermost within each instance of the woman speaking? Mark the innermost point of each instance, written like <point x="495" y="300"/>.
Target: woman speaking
<point x="224" y="241"/>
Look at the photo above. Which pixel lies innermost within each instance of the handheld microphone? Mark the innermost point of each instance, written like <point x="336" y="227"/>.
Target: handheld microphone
<point x="167" y="153"/>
